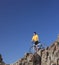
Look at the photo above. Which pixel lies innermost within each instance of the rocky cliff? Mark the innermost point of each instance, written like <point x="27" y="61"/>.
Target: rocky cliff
<point x="47" y="56"/>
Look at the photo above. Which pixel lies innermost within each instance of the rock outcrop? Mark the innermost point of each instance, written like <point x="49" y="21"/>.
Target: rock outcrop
<point x="50" y="56"/>
<point x="1" y="60"/>
<point x="47" y="56"/>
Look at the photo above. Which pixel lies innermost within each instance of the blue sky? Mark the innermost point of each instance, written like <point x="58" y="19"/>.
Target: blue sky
<point x="19" y="19"/>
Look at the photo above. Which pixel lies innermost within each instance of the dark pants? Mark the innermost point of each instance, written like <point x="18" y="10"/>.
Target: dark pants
<point x="36" y="42"/>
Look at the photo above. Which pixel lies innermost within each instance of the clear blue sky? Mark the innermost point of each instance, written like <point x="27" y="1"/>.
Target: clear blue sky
<point x="19" y="19"/>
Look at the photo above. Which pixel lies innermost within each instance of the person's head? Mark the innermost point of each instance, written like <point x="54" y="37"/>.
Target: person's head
<point x="35" y="33"/>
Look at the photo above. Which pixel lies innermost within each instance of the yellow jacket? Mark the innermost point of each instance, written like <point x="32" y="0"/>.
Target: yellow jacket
<point x="35" y="38"/>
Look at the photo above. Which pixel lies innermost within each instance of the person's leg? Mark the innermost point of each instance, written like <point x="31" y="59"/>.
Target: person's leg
<point x="36" y="44"/>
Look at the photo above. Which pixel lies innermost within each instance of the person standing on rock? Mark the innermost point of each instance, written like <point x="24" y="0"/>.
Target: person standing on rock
<point x="35" y="40"/>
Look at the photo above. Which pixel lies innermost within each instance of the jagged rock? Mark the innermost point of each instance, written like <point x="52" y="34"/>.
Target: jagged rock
<point x="29" y="57"/>
<point x="1" y="60"/>
<point x="37" y="59"/>
<point x="47" y="56"/>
